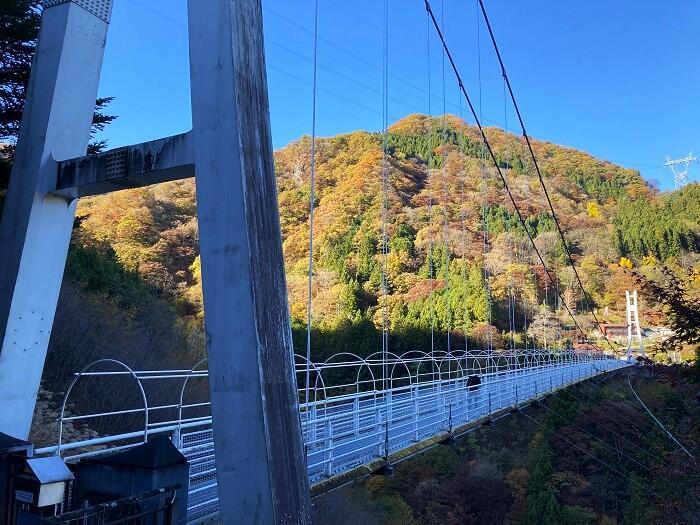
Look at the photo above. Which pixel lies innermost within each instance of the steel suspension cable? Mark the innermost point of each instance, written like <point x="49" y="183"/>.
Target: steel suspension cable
<point x="619" y="417"/>
<point x="591" y="455"/>
<point x="597" y="438"/>
<point x="622" y="437"/>
<point x="659" y="423"/>
<point x="537" y="169"/>
<point x="489" y="149"/>
<point x="676" y="485"/>
<point x="654" y="444"/>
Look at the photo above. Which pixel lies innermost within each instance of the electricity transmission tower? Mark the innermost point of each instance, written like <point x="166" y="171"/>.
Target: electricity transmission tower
<point x="680" y="169"/>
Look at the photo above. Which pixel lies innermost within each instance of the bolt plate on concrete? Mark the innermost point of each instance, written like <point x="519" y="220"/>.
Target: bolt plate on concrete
<point x="100" y="8"/>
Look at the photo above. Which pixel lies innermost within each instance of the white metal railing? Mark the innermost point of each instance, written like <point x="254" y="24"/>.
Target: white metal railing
<point x="358" y="409"/>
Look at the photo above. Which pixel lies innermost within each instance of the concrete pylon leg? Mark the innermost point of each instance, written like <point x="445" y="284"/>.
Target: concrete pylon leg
<point x="257" y="433"/>
<point x="35" y="228"/>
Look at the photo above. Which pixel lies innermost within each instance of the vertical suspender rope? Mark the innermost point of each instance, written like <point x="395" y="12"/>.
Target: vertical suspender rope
<point x="385" y="192"/>
<point x="431" y="152"/>
<point x="445" y="226"/>
<point x="546" y="311"/>
<point x="509" y="240"/>
<point x="385" y="219"/>
<point x="484" y="205"/>
<point x="464" y="238"/>
<point x="312" y="197"/>
<point x="529" y="256"/>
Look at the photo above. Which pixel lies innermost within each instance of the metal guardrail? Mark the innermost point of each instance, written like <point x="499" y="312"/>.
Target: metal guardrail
<point x="358" y="410"/>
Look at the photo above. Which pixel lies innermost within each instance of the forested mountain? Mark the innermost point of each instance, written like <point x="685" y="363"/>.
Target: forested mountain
<point x="131" y="245"/>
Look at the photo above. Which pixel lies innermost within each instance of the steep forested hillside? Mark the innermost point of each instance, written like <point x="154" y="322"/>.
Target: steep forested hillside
<point x="134" y="245"/>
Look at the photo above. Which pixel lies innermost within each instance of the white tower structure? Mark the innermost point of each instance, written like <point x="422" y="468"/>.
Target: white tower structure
<point x="680" y="169"/>
<point x="634" y="330"/>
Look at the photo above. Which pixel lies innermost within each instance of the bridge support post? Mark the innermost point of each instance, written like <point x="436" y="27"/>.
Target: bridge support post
<point x="415" y="419"/>
<point x="328" y="466"/>
<point x="257" y="434"/>
<point x="378" y="427"/>
<point x="36" y="227"/>
<point x="311" y="423"/>
<point x="356" y="415"/>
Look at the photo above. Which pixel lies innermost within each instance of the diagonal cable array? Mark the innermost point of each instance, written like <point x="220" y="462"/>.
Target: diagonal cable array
<point x="654" y="458"/>
<point x="656" y="420"/>
<point x="537" y="169"/>
<point x="592" y="456"/>
<point x="487" y="144"/>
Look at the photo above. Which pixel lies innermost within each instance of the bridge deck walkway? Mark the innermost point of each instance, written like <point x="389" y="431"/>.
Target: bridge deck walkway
<point x="347" y="431"/>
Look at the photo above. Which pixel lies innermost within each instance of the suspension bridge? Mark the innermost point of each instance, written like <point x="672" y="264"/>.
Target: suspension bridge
<point x="274" y="424"/>
<point x="354" y="422"/>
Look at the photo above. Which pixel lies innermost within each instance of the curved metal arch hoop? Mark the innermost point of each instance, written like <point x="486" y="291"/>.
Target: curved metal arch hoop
<point x="77" y="378"/>
<point x="364" y="363"/>
<point x="319" y="377"/>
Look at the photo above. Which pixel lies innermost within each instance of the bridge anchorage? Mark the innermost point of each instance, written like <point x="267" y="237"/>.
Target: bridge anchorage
<point x="270" y="427"/>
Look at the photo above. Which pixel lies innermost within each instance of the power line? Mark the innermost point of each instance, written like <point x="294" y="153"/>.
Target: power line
<point x="539" y="173"/>
<point x="317" y="38"/>
<point x="359" y="58"/>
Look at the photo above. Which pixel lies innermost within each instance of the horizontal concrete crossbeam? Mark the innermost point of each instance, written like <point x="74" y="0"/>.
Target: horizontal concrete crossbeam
<point x="161" y="160"/>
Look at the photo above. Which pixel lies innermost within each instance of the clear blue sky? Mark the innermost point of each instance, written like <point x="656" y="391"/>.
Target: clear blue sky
<point x="617" y="79"/>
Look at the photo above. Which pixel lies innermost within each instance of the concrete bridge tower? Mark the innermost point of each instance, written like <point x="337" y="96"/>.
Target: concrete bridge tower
<point x="259" y="455"/>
